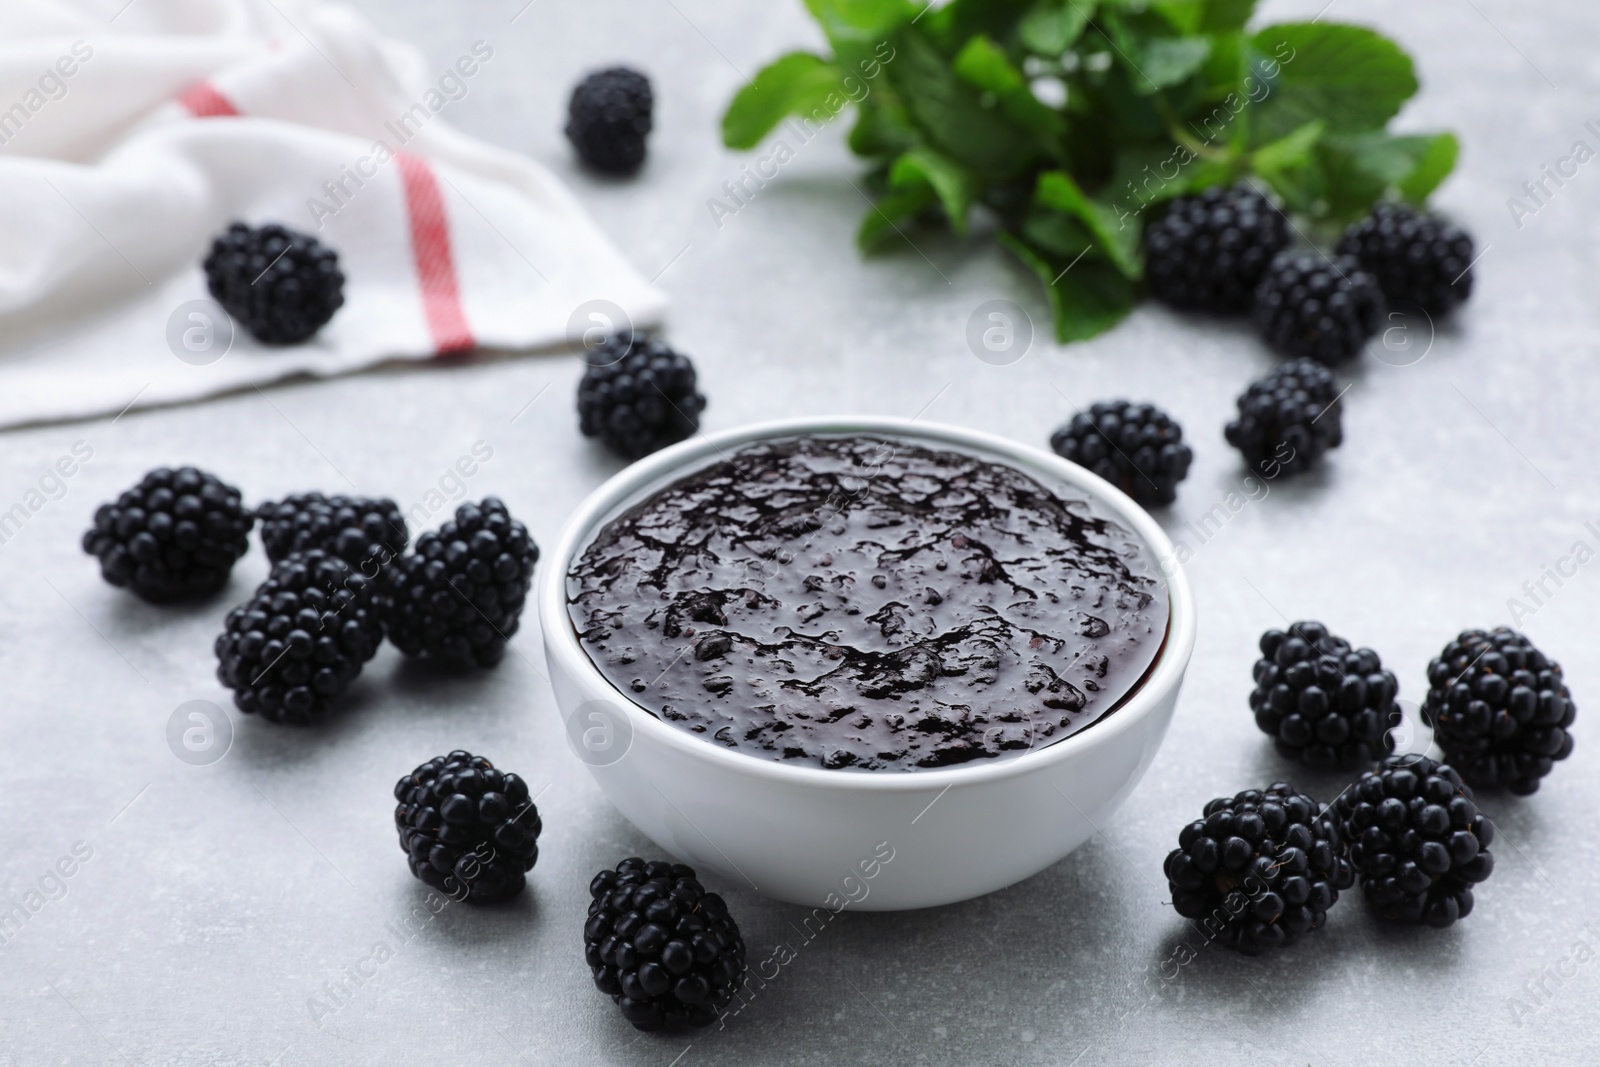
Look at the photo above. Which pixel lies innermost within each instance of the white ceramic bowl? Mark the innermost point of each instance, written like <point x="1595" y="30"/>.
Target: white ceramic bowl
<point x="859" y="839"/>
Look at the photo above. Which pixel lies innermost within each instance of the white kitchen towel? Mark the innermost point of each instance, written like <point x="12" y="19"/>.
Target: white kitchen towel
<point x="133" y="131"/>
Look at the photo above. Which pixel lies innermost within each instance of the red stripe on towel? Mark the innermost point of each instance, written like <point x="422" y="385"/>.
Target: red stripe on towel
<point x="430" y="245"/>
<point x="203" y="101"/>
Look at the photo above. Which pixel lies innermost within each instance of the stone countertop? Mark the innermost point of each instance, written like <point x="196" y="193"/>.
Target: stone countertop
<point x="217" y="904"/>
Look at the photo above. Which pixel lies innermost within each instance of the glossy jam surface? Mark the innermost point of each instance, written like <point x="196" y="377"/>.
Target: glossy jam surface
<point x="871" y="603"/>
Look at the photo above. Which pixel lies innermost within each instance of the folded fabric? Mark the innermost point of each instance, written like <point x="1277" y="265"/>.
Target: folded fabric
<point x="129" y="139"/>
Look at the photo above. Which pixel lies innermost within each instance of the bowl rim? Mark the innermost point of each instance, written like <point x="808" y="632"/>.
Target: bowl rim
<point x="561" y="639"/>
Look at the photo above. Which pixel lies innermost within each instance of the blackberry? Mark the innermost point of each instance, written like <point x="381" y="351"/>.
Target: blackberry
<point x="1209" y="252"/>
<point x="1262" y="869"/>
<point x="1308" y="305"/>
<point x="1417" y="258"/>
<point x="365" y="533"/>
<point x="1499" y="709"/>
<point x="1417" y="840"/>
<point x="638" y="396"/>
<point x="292" y="648"/>
<point x="608" y="119"/>
<point x="1288" y="419"/>
<point x="280" y="285"/>
<point x="467" y="828"/>
<point x="458" y="597"/>
<point x="1320" y="701"/>
<point x="173" y="536"/>
<point x="666" y="951"/>
<point x="1135" y="447"/>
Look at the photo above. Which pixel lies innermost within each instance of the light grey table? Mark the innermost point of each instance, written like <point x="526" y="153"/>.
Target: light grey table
<point x="219" y="903"/>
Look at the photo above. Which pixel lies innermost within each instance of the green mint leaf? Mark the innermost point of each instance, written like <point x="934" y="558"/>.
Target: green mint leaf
<point x="861" y="32"/>
<point x="1147" y="173"/>
<point x="1051" y="233"/>
<point x="1053" y="26"/>
<point x="883" y="127"/>
<point x="1435" y="158"/>
<point x="1153" y="61"/>
<point x="954" y="185"/>
<point x="1205" y="16"/>
<point x="983" y="65"/>
<point x="1365" y="167"/>
<point x="1087" y="297"/>
<point x="1218" y="15"/>
<point x="952" y="117"/>
<point x="1349" y="172"/>
<point x="861" y="22"/>
<point x="1115" y="233"/>
<point x="1169" y="60"/>
<point x="1182" y="15"/>
<point x="1288" y="153"/>
<point x="1294" y="169"/>
<point x="1351" y="78"/>
<point x="796" y="84"/>
<point x="888" y="214"/>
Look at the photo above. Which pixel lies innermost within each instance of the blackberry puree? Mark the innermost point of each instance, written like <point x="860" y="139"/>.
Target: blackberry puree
<point x="867" y="602"/>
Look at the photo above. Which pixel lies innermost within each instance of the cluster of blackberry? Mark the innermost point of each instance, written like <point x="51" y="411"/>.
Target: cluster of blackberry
<point x="340" y="581"/>
<point x="1408" y="828"/>
<point x="1226" y="251"/>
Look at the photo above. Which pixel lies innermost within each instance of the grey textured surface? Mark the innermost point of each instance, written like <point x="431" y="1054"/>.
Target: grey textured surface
<point x="219" y="900"/>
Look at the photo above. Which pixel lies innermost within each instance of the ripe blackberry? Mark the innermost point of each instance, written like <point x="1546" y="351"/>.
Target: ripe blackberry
<point x="608" y="119"/>
<point x="1261" y="869"/>
<point x="1288" y="419"/>
<point x="457" y="598"/>
<point x="1499" y="709"/>
<point x="292" y="648"/>
<point x="1417" y="258"/>
<point x="174" y="535"/>
<point x="1135" y="447"/>
<point x="1417" y="840"/>
<point x="1321" y="702"/>
<point x="638" y="396"/>
<point x="467" y="828"/>
<point x="1209" y="252"/>
<point x="666" y="951"/>
<point x="280" y="285"/>
<point x="365" y="533"/>
<point x="1310" y="306"/>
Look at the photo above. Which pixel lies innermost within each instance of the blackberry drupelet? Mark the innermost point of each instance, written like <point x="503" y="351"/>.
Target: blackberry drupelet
<point x="292" y="648"/>
<point x="1288" y="419"/>
<point x="365" y="533"/>
<point x="1261" y="869"/>
<point x="174" y="535"/>
<point x="1499" y="709"/>
<point x="466" y="828"/>
<point x="1135" y="447"/>
<point x="280" y="285"/>
<point x="609" y="118"/>
<point x="1209" y="252"/>
<point x="1322" y="702"/>
<point x="1310" y="306"/>
<point x="666" y="951"/>
<point x="638" y="396"/>
<point x="1417" y="840"/>
<point x="458" y="597"/>
<point x="1417" y="258"/>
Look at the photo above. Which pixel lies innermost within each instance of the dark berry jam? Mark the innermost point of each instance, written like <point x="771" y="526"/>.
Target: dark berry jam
<point x="869" y="602"/>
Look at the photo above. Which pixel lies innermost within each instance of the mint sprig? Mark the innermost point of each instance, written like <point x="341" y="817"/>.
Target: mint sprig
<point x="1069" y="121"/>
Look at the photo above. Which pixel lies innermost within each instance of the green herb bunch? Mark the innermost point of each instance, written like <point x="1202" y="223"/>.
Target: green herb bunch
<point x="1065" y="123"/>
